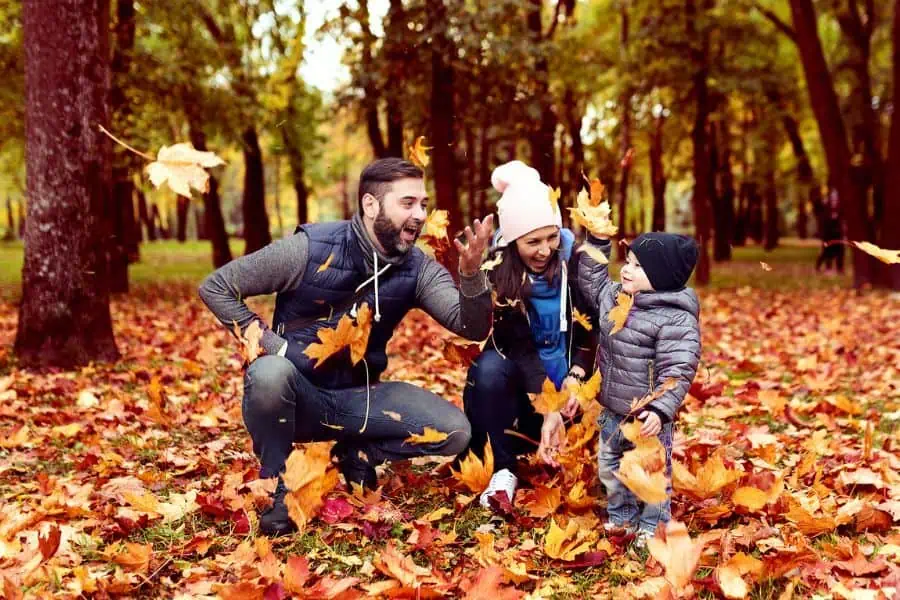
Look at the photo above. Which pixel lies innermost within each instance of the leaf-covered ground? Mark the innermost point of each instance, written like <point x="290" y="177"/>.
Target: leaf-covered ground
<point x="137" y="479"/>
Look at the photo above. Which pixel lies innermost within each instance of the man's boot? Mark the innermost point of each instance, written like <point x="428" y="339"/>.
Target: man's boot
<point x="275" y="521"/>
<point x="353" y="467"/>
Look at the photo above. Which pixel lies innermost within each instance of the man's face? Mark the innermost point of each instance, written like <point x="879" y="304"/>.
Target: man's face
<point x="400" y="216"/>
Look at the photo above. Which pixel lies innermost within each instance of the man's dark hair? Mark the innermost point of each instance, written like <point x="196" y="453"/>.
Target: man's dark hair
<point x="377" y="177"/>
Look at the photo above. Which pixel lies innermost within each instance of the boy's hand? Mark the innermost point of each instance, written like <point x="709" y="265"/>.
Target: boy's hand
<point x="570" y="383"/>
<point x="553" y="436"/>
<point x="652" y="425"/>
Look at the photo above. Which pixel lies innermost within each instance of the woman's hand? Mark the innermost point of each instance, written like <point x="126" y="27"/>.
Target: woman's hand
<point x="553" y="438"/>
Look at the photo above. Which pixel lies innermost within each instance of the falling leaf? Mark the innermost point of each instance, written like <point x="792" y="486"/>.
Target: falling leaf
<point x="324" y="266"/>
<point x="393" y="415"/>
<point x="183" y="168"/>
<point x="553" y="198"/>
<point x="436" y="224"/>
<point x="489" y="265"/>
<point x="304" y="503"/>
<point x="428" y="436"/>
<point x="250" y="340"/>
<point x="418" y="153"/>
<point x="582" y="319"/>
<point x="678" y="554"/>
<point x="643" y="468"/>
<point x="594" y="252"/>
<point x="619" y="313"/>
<point x="588" y="391"/>
<point x="475" y="473"/>
<point x="890" y="257"/>
<point x="765" y="266"/>
<point x="461" y="353"/>
<point x="594" y="217"/>
<point x="550" y="399"/>
<point x="363" y="328"/>
<point x="346" y="333"/>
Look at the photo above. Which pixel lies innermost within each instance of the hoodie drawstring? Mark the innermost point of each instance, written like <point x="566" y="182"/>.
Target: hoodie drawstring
<point x="375" y="279"/>
<point x="564" y="280"/>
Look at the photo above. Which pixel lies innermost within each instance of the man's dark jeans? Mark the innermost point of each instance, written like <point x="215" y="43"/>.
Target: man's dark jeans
<point x="281" y="406"/>
<point x="495" y="400"/>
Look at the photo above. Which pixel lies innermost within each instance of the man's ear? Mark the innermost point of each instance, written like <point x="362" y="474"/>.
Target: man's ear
<point x="370" y="206"/>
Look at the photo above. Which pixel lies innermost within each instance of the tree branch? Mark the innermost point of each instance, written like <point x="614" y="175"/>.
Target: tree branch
<point x="552" y="29"/>
<point x="776" y="20"/>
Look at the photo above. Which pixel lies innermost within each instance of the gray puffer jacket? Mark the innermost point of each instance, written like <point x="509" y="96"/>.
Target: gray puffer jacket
<point x="660" y="340"/>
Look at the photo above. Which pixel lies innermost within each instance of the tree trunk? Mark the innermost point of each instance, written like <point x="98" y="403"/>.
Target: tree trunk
<point x="122" y="244"/>
<point x="371" y="92"/>
<point x="722" y="192"/>
<point x="658" y="180"/>
<point x="471" y="174"/>
<point x="699" y="136"/>
<point x="442" y="117"/>
<point x="889" y="275"/>
<point x="144" y="217"/>
<point x="214" y="223"/>
<point x="625" y="143"/>
<point x="181" y="218"/>
<point x="485" y="153"/>
<point x="809" y="189"/>
<point x="297" y="163"/>
<point x="770" y="233"/>
<point x="256" y="220"/>
<point x="541" y="140"/>
<point x="573" y="116"/>
<point x="832" y="131"/>
<point x="200" y="222"/>
<point x="64" y="317"/>
<point x="22" y="219"/>
<point x="10" y="221"/>
<point x="397" y="53"/>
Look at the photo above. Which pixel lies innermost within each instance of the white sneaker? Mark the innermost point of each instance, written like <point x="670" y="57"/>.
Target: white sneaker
<point x="502" y="481"/>
<point x="640" y="541"/>
<point x="610" y="527"/>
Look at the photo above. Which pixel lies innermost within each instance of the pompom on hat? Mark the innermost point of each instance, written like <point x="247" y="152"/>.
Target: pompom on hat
<point x="524" y="203"/>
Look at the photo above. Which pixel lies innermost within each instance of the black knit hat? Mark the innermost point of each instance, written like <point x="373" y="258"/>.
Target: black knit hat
<point x="668" y="259"/>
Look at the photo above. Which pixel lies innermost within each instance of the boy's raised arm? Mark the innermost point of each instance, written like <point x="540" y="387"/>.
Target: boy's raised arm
<point x="593" y="276"/>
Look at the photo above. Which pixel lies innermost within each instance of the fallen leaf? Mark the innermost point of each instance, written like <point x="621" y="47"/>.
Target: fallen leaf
<point x="619" y="313"/>
<point x="486" y="585"/>
<point x="475" y="473"/>
<point x="566" y="544"/>
<point x="402" y="568"/>
<point x="709" y="480"/>
<point x="49" y="544"/>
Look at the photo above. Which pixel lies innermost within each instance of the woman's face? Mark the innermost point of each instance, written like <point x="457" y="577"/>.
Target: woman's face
<point x="535" y="248"/>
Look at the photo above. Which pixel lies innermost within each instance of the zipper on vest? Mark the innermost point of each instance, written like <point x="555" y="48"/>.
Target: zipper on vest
<point x="650" y="375"/>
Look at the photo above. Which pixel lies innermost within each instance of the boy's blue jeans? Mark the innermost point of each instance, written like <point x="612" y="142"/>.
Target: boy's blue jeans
<point x="623" y="507"/>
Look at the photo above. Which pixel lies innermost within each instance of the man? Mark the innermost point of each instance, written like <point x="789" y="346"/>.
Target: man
<point x="327" y="270"/>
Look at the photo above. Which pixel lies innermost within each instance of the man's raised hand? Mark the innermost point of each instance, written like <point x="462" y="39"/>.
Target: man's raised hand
<point x="477" y="239"/>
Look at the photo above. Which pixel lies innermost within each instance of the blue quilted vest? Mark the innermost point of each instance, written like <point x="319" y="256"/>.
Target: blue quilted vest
<point x="324" y="296"/>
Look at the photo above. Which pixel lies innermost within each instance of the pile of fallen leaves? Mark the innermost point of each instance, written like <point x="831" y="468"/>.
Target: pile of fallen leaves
<point x="137" y="478"/>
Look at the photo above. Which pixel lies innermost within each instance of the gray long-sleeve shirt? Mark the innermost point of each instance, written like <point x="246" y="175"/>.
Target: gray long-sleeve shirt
<point x="279" y="267"/>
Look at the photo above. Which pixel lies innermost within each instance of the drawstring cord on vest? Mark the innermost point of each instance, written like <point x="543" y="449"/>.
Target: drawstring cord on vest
<point x="377" y="319"/>
<point x="564" y="280"/>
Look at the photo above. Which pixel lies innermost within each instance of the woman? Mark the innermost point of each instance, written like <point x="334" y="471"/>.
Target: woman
<point x="534" y="337"/>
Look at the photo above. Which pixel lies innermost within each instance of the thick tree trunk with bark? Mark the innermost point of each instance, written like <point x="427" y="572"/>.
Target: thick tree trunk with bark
<point x="214" y="222"/>
<point x="658" y="180"/>
<point x="443" y="114"/>
<point x="256" y="220"/>
<point x="64" y="317"/>
<point x="542" y="137"/>
<point x="297" y="163"/>
<point x="889" y="275"/>
<point x="826" y="108"/>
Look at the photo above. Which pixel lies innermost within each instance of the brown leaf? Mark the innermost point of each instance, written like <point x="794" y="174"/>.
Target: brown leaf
<point x="49" y="544"/>
<point x="402" y="568"/>
<point x="133" y="557"/>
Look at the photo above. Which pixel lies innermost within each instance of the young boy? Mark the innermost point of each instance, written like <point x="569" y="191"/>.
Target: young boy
<point x="660" y="341"/>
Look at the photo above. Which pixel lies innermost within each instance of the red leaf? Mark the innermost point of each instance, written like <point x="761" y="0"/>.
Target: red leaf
<point x="335" y="510"/>
<point x="50" y="544"/>
<point x="275" y="591"/>
<point x="588" y="559"/>
<point x="501" y="504"/>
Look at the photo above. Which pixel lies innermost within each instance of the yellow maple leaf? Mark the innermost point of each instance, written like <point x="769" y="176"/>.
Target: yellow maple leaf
<point x="568" y="543"/>
<point x="582" y="319"/>
<point x="183" y="168"/>
<point x="304" y="503"/>
<point x="436" y="224"/>
<point x="393" y="563"/>
<point x="890" y="257"/>
<point x="678" y="554"/>
<point x="553" y="198"/>
<point x="619" y="313"/>
<point x="490" y="265"/>
<point x="418" y="153"/>
<point x="587" y="391"/>
<point x="324" y="266"/>
<point x="428" y="436"/>
<point x="749" y="497"/>
<point x="594" y="217"/>
<point x="549" y="400"/>
<point x="306" y="464"/>
<point x="475" y="473"/>
<point x="360" y="341"/>
<point x="709" y="480"/>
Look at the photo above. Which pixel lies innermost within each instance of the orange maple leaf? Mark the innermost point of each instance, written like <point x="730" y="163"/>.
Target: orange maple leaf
<point x="677" y="553"/>
<point x="345" y="334"/>
<point x="418" y="153"/>
<point x="324" y="266"/>
<point x="394" y="564"/>
<point x="619" y="313"/>
<point x="643" y="468"/>
<point x="582" y="319"/>
<point x="549" y="400"/>
<point x="429" y="435"/>
<point x="475" y="473"/>
<point x="709" y="480"/>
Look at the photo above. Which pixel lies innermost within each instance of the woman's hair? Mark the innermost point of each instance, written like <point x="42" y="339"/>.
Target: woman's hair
<point x="509" y="278"/>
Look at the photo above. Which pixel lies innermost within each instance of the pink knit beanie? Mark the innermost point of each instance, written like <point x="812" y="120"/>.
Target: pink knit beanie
<point x="524" y="203"/>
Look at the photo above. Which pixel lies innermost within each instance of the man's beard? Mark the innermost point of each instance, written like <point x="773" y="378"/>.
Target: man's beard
<point x="388" y="235"/>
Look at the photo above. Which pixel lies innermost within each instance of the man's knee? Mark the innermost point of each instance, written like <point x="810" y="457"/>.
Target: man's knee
<point x="266" y="383"/>
<point x="459" y="432"/>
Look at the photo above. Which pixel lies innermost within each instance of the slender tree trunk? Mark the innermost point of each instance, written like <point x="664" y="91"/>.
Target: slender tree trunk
<point x="22" y="219"/>
<point x="11" y="221"/>
<point x="278" y="218"/>
<point x="200" y="222"/>
<point x="117" y="253"/>
<point x="371" y="92"/>
<point x="181" y="218"/>
<point x="658" y="180"/>
<point x="485" y="153"/>
<point x="471" y="173"/>
<point x="722" y="192"/>
<point x="256" y="220"/>
<point x="826" y="108"/>
<point x="443" y="114"/>
<point x="625" y="143"/>
<point x="809" y="189"/>
<point x="397" y="53"/>
<point x="214" y="222"/>
<point x="770" y="194"/>
<point x="699" y="136"/>
<point x="297" y="163"/>
<point x="889" y="275"/>
<point x="64" y="317"/>
<point x="144" y="220"/>
<point x="573" y="115"/>
<point x="542" y="137"/>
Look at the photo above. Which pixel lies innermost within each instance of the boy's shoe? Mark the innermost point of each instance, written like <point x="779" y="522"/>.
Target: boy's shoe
<point x="617" y="528"/>
<point x="275" y="521"/>
<point x="640" y="540"/>
<point x="502" y="481"/>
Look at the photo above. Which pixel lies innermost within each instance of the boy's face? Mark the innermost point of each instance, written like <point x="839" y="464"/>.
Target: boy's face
<point x="634" y="279"/>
